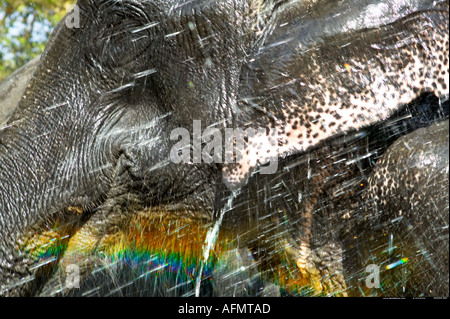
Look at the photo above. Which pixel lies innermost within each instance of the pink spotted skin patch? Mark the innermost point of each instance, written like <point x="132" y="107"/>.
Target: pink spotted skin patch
<point x="345" y="83"/>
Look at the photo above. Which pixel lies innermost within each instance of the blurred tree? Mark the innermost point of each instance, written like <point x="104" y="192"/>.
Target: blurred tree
<point x="24" y="29"/>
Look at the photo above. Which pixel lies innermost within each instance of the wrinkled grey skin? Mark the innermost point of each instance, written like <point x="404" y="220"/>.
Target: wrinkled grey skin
<point x="93" y="126"/>
<point x="418" y="191"/>
<point x="12" y="88"/>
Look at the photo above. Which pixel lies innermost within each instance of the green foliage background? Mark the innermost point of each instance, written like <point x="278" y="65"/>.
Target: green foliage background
<point x="24" y="29"/>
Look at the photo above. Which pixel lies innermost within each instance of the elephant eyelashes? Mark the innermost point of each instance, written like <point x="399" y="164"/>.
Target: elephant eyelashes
<point x="118" y="46"/>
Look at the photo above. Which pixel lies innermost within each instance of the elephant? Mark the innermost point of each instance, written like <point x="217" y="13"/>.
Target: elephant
<point x="314" y="85"/>
<point x="11" y="89"/>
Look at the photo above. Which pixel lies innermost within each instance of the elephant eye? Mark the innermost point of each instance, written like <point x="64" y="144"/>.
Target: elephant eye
<point x="119" y="40"/>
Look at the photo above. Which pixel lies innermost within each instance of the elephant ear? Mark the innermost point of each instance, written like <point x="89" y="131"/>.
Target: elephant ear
<point x="348" y="81"/>
<point x="121" y="35"/>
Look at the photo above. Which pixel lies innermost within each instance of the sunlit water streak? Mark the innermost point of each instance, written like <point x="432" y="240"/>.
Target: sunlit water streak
<point x="211" y="237"/>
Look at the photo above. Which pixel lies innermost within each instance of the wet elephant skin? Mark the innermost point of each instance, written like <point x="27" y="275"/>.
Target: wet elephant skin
<point x="92" y="130"/>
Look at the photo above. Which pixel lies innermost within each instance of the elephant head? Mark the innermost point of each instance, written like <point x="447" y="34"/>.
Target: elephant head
<point x="97" y="118"/>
